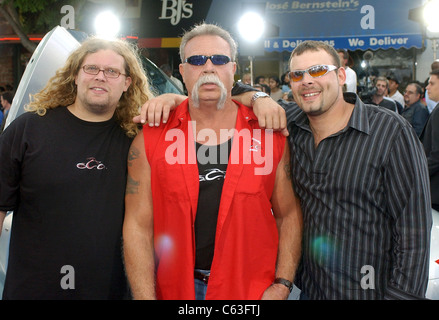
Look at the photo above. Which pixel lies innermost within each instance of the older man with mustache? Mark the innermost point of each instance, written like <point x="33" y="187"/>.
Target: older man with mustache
<point x="188" y="235"/>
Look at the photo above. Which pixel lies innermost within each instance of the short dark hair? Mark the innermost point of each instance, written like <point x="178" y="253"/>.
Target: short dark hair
<point x="8" y="96"/>
<point x="312" y="45"/>
<point x="345" y="53"/>
<point x="419" y="89"/>
<point x="276" y="79"/>
<point x="435" y="72"/>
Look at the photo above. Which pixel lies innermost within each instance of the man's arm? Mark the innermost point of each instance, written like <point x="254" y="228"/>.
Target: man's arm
<point x="156" y="110"/>
<point x="269" y="113"/>
<point x="138" y="231"/>
<point x="288" y="215"/>
<point x="407" y="174"/>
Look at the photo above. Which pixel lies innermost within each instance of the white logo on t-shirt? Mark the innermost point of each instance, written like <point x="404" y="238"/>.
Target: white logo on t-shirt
<point x="212" y="174"/>
<point x="91" y="163"/>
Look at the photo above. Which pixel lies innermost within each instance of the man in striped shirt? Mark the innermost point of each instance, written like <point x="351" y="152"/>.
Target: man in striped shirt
<point x="362" y="177"/>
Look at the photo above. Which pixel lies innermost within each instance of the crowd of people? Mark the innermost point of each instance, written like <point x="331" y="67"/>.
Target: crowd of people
<point x="213" y="204"/>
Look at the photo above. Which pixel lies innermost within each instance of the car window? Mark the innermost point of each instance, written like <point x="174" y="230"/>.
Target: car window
<point x="159" y="81"/>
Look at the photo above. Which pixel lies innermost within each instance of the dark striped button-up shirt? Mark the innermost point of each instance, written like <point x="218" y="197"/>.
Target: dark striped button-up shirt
<point x="366" y="203"/>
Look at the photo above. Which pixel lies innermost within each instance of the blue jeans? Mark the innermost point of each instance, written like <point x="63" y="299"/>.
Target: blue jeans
<point x="200" y="286"/>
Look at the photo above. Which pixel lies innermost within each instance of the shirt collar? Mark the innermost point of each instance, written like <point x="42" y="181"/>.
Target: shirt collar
<point x="359" y="119"/>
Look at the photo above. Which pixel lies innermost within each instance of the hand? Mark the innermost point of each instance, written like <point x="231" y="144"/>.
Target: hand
<point x="157" y="109"/>
<point x="276" y="291"/>
<point x="270" y="115"/>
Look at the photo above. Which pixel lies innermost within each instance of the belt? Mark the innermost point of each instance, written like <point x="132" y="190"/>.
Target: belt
<point x="201" y="276"/>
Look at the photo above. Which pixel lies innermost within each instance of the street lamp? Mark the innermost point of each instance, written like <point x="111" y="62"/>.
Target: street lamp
<point x="430" y="16"/>
<point x="432" y="23"/>
<point x="107" y="25"/>
<point x="251" y="27"/>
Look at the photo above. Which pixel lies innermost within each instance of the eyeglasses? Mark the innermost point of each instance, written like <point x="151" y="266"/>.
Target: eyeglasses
<point x="314" y="71"/>
<point x="108" y="72"/>
<point x="199" y="60"/>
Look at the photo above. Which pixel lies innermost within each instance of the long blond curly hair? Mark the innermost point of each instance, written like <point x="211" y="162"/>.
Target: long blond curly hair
<point x="61" y="89"/>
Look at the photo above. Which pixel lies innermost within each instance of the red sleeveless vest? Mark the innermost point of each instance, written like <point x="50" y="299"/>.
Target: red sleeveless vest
<point x="246" y="240"/>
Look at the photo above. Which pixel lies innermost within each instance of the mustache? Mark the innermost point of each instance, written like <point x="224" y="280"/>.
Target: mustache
<point x="209" y="78"/>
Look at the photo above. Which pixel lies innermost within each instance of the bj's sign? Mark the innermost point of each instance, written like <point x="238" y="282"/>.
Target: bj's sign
<point x="169" y="18"/>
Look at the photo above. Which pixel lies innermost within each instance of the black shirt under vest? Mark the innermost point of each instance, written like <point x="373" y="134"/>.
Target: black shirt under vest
<point x="212" y="165"/>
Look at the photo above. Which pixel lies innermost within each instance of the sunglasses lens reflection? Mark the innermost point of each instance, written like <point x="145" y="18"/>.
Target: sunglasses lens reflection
<point x="315" y="72"/>
<point x="296" y="75"/>
<point x="197" y="60"/>
<point x="200" y="60"/>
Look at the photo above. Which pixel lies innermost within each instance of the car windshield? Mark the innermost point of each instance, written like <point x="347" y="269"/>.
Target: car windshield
<point x="160" y="82"/>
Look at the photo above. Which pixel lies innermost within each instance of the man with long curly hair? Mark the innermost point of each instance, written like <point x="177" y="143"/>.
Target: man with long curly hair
<point x="63" y="173"/>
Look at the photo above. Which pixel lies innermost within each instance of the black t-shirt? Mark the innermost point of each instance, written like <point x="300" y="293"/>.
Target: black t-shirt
<point x="65" y="180"/>
<point x="212" y="166"/>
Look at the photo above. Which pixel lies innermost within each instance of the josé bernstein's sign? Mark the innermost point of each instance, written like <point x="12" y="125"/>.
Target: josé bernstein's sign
<point x="350" y="24"/>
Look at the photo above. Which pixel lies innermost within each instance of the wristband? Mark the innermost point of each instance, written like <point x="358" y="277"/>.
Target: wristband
<point x="285" y="282"/>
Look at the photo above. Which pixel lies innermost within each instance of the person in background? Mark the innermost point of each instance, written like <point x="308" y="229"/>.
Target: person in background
<point x="260" y="80"/>
<point x="379" y="95"/>
<point x="430" y="139"/>
<point x="415" y="111"/>
<point x="6" y="102"/>
<point x="351" y="75"/>
<point x="431" y="104"/>
<point x="168" y="71"/>
<point x="394" y="82"/>
<point x="63" y="174"/>
<point x="219" y="229"/>
<point x="275" y="90"/>
<point x="285" y="80"/>
<point x="246" y="79"/>
<point x="263" y="88"/>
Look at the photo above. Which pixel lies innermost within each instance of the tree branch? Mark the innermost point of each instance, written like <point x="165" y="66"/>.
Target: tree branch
<point x="4" y="10"/>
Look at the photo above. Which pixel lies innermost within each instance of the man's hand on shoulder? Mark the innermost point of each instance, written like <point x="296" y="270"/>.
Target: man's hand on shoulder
<point x="270" y="115"/>
<point x="157" y="109"/>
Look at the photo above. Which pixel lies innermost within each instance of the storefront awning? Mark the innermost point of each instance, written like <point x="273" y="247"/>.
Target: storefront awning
<point x="373" y="42"/>
<point x="349" y="24"/>
<point x="353" y="24"/>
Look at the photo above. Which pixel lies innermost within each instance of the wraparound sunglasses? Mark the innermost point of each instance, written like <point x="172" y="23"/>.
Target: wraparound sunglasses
<point x="199" y="60"/>
<point x="314" y="71"/>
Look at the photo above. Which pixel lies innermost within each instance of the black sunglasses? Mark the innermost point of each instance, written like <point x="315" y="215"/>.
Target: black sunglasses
<point x="199" y="60"/>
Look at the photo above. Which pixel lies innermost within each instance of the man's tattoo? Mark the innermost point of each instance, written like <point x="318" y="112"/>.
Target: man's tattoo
<point x="132" y="185"/>
<point x="133" y="154"/>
